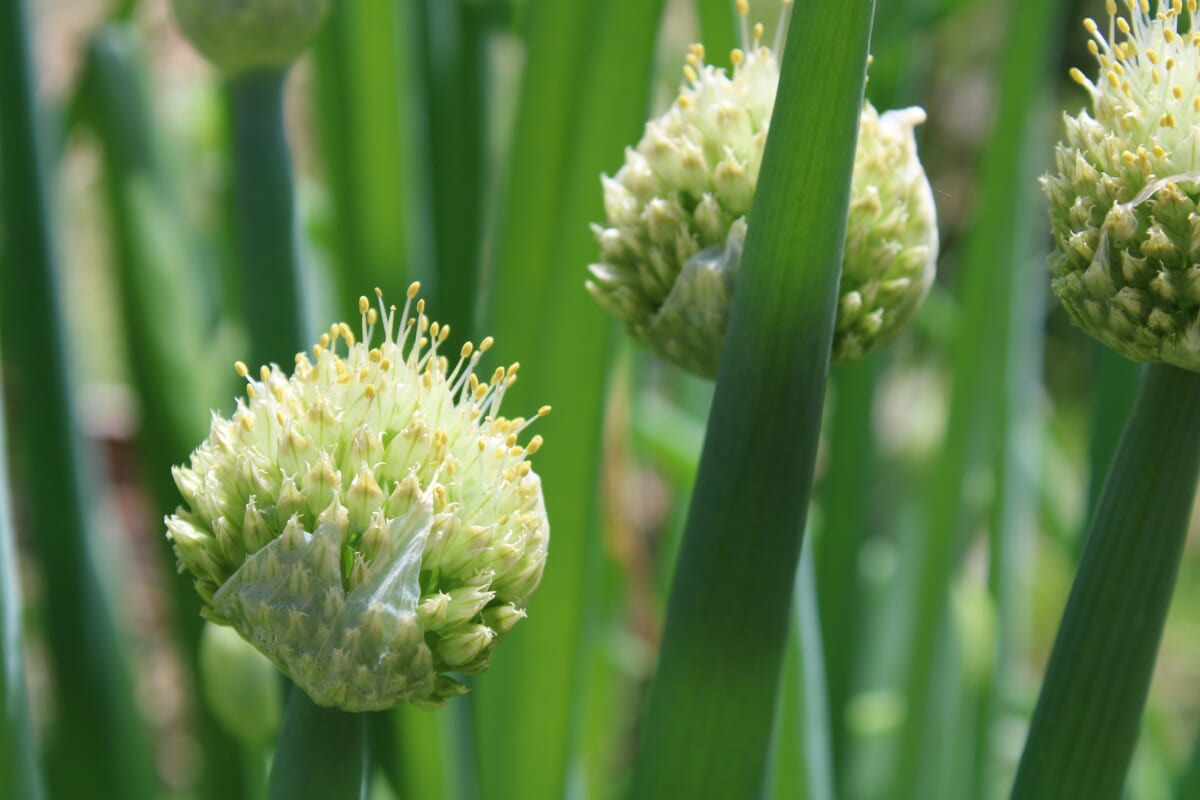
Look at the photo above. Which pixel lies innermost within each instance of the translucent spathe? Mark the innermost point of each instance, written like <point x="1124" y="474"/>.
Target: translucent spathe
<point x="370" y="523"/>
<point x="677" y="213"/>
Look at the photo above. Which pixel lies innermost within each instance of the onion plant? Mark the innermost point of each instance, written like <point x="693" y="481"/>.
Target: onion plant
<point x="247" y="556"/>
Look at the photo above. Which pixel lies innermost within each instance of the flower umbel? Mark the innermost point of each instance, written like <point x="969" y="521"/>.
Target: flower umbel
<point x="242" y="35"/>
<point x="677" y="215"/>
<point x="370" y="523"/>
<point x="1123" y="201"/>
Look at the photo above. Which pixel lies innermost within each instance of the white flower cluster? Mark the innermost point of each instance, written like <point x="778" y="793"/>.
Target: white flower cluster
<point x="370" y="523"/>
<point x="1123" y="201"/>
<point x="677" y="215"/>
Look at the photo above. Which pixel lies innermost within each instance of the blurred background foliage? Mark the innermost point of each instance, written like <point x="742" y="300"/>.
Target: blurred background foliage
<point x="459" y="142"/>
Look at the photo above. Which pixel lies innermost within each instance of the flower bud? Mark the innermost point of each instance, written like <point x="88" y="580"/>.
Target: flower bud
<point x="243" y="35"/>
<point x="360" y="521"/>
<point x="1123" y="196"/>
<point x="240" y="686"/>
<point x="677" y="214"/>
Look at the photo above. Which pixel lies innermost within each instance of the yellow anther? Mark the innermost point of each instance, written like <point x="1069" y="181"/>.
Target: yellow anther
<point x="513" y="367"/>
<point x="369" y="391"/>
<point x="433" y="330"/>
<point x="372" y="316"/>
<point x="743" y="7"/>
<point x="524" y="469"/>
<point x="264" y="373"/>
<point x="324" y="340"/>
<point x="684" y="101"/>
<point x="736" y="57"/>
<point x="413" y="288"/>
<point x="465" y="352"/>
<point x="1177" y="91"/>
<point x="758" y="31"/>
<point x="251" y="392"/>
<point x="534" y="445"/>
<point x="689" y="73"/>
<point x="247" y="422"/>
<point x="1078" y="76"/>
<point x="385" y="365"/>
<point x="543" y="411"/>
<point x="1089" y="25"/>
<point x="347" y="334"/>
<point x="486" y="344"/>
<point x="445" y="334"/>
<point x="1122" y="25"/>
<point x="1111" y="7"/>
<point x="364" y="305"/>
<point x="241" y="368"/>
<point x="1159" y="152"/>
<point x="1152" y="55"/>
<point x="1113" y="80"/>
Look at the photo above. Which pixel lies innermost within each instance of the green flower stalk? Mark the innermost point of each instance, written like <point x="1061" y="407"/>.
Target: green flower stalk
<point x="677" y="214"/>
<point x="244" y="35"/>
<point x="370" y="523"/>
<point x="1123" y="202"/>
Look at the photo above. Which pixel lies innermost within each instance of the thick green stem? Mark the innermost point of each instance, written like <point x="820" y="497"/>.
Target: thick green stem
<point x="322" y="753"/>
<point x="842" y="532"/>
<point x="98" y="747"/>
<point x="712" y="705"/>
<point x="19" y="776"/>
<point x="1089" y="711"/>
<point x="265" y="209"/>
<point x="166" y="313"/>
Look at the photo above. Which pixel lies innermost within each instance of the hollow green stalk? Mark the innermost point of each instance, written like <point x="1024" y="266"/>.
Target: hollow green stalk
<point x="584" y="97"/>
<point x="843" y="530"/>
<point x="165" y="316"/>
<point x="367" y="83"/>
<point x="803" y="757"/>
<point x="265" y="217"/>
<point x="726" y="628"/>
<point x="98" y="746"/>
<point x="19" y="773"/>
<point x="994" y="305"/>
<point x="322" y="754"/>
<point x="1086" y="723"/>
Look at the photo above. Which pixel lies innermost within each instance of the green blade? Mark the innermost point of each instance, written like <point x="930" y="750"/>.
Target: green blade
<point x="180" y="368"/>
<point x="367" y="89"/>
<point x="99" y="747"/>
<point x="583" y="100"/>
<point x="711" y="707"/>
<point x="1089" y="711"/>
<point x="19" y="773"/>
<point x="995" y="269"/>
